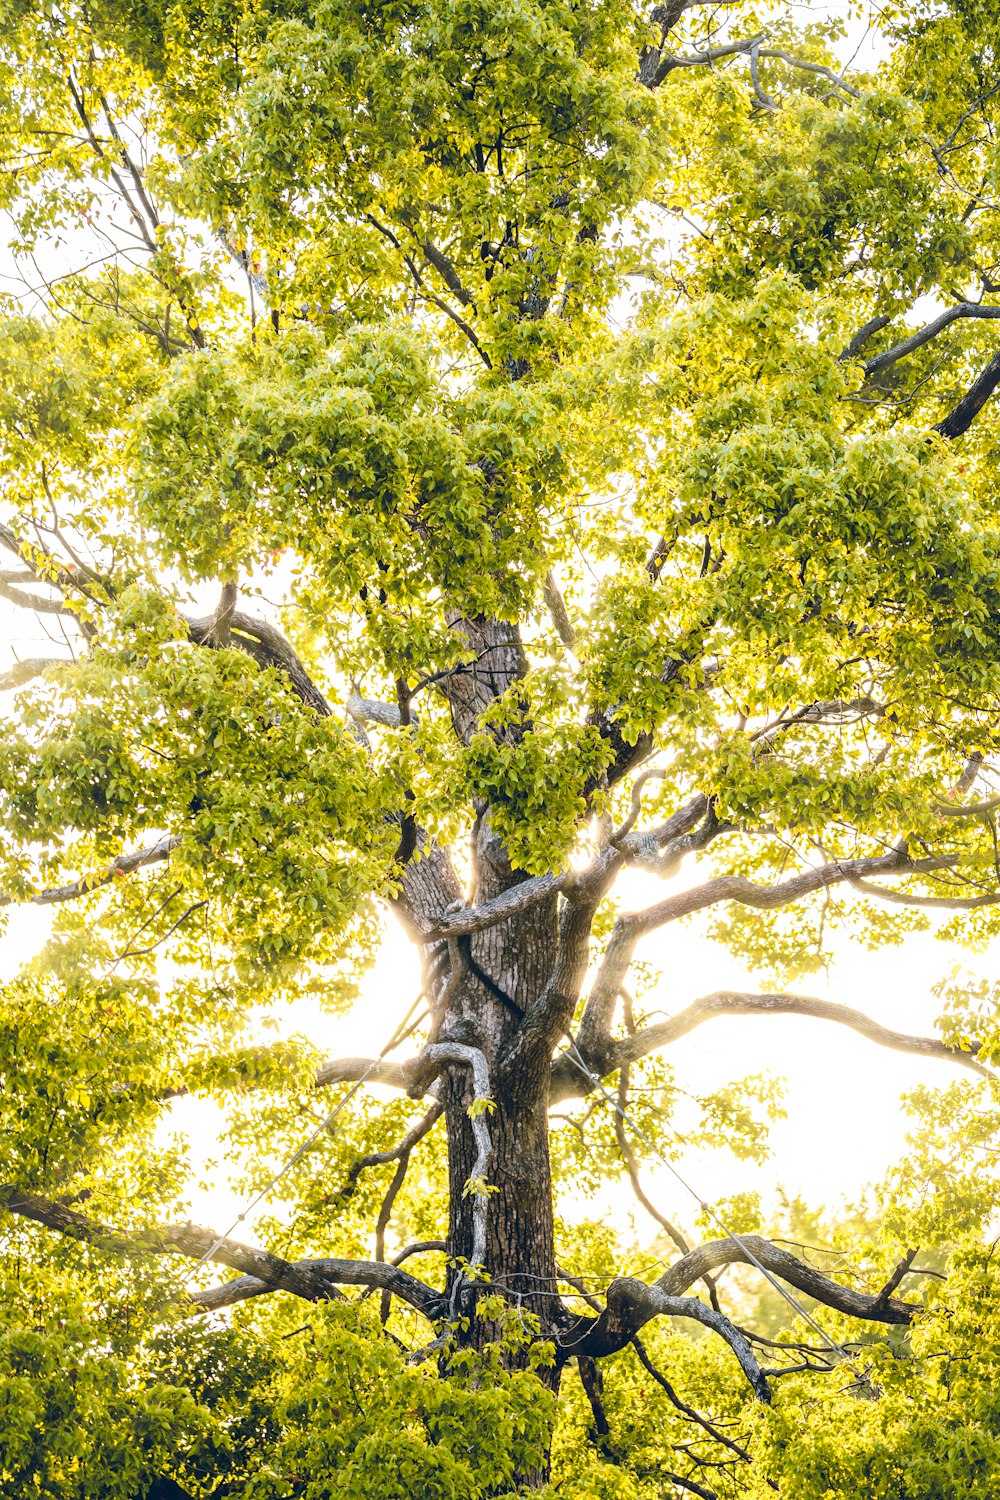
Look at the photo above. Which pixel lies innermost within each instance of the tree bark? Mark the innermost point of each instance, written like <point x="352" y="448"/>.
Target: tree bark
<point x="503" y="970"/>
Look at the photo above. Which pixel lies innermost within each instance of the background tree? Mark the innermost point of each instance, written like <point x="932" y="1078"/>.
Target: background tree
<point x="601" y="400"/>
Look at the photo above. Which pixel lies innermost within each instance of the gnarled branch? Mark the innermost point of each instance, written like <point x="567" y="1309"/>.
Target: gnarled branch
<point x="631" y="1304"/>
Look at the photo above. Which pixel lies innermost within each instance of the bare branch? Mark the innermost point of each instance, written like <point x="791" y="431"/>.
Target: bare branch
<point x="24" y="671"/>
<point x="268" y="648"/>
<point x="371" y="711"/>
<point x="654" y="773"/>
<point x="224" y="613"/>
<point x="899" y="1272"/>
<point x="631" y="926"/>
<point x="310" y="1279"/>
<point x="798" y="1273"/>
<point x="965" y="412"/>
<point x="927" y="333"/>
<point x="763" y="100"/>
<point x="447" y="272"/>
<point x="510" y="903"/>
<point x="662" y="849"/>
<point x="942" y="903"/>
<point x="557" y="609"/>
<point x="352" y="1069"/>
<point x="682" y="1406"/>
<point x="733" y="1003"/>
<point x="837" y="79"/>
<point x="415" y="1134"/>
<point x="35" y="602"/>
<point x="419" y="1247"/>
<point x="631" y="1304"/>
<point x="968" y="810"/>
<point x="631" y="1166"/>
<point x="655" y="68"/>
<point x="865" y="332"/>
<point x="426" y="1066"/>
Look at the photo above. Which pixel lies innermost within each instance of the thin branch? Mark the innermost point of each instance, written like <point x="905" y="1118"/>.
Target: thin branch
<point x="899" y="1271"/>
<point x="682" y="1406"/>
<point x="419" y="1247"/>
<point x="836" y="79"/>
<point x="628" y="1157"/>
<point x="125" y="864"/>
<point x="734" y="1003"/>
<point x="865" y="332"/>
<point x="394" y="1153"/>
<point x="557" y="609"/>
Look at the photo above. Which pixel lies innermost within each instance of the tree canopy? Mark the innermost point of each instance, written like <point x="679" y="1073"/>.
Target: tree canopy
<point x="463" y="454"/>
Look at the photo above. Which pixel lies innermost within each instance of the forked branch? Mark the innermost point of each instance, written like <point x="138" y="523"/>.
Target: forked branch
<point x="632" y="1303"/>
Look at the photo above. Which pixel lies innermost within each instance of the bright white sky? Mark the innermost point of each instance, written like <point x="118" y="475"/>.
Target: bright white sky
<point x="845" y="1124"/>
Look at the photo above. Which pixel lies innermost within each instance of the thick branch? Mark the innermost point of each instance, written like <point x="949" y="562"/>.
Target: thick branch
<point x="35" y="602"/>
<point x="927" y="333"/>
<point x="510" y="903"/>
<point x="798" y="1273"/>
<point x="630" y="927"/>
<point x="24" y="671"/>
<point x="415" y="1134"/>
<point x="631" y="1304"/>
<point x="962" y="415"/>
<point x="556" y="605"/>
<point x="268" y="648"/>
<point x="427" y="1066"/>
<point x="352" y="1069"/>
<point x="941" y="903"/>
<point x="310" y="1279"/>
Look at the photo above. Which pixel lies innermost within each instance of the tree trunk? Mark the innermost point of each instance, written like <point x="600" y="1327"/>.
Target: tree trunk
<point x="511" y="960"/>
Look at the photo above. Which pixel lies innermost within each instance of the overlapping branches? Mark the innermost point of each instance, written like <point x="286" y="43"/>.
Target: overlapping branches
<point x="261" y="1270"/>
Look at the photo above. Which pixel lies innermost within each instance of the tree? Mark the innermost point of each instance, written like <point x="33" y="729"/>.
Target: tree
<point x="560" y="368"/>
